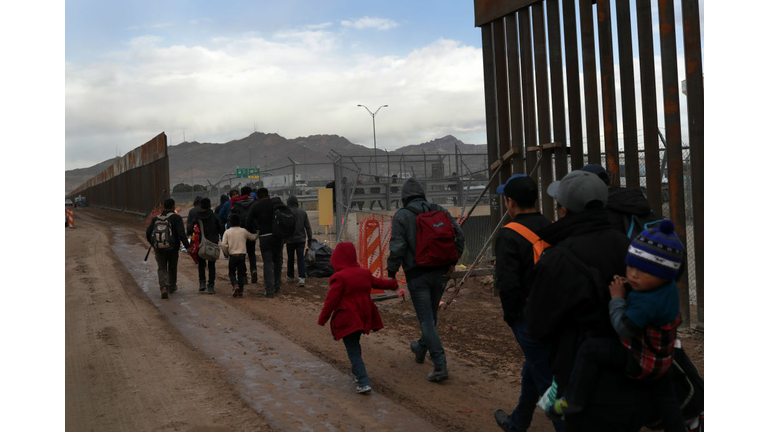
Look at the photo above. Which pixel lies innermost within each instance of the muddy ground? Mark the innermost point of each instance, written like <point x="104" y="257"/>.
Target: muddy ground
<point x="132" y="363"/>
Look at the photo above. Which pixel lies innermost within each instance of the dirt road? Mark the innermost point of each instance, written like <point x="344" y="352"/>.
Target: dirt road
<point x="202" y="362"/>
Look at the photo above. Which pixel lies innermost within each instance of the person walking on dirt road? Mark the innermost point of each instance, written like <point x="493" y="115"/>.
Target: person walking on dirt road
<point x="170" y="236"/>
<point x="294" y="245"/>
<point x="568" y="301"/>
<point x="242" y="206"/>
<point x="426" y="284"/>
<point x="514" y="275"/>
<point x="213" y="228"/>
<point x="349" y="306"/>
<point x="233" y="246"/>
<point x="260" y="219"/>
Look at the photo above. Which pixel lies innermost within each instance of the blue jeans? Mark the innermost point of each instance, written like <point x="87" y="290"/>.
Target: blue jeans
<point x="537" y="377"/>
<point x="355" y="354"/>
<point x="426" y="291"/>
<point x="298" y="250"/>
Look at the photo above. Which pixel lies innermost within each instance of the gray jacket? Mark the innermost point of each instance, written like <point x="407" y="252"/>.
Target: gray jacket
<point x="402" y="244"/>
<point x="303" y="231"/>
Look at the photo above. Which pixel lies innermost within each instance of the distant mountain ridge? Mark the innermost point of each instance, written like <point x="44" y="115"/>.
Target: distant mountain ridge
<point x="200" y="163"/>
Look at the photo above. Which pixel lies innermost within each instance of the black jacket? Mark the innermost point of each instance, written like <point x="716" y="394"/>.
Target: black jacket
<point x="622" y="202"/>
<point x="568" y="302"/>
<point x="211" y="224"/>
<point x="177" y="229"/>
<point x="260" y="216"/>
<point x="514" y="265"/>
<point x="191" y="215"/>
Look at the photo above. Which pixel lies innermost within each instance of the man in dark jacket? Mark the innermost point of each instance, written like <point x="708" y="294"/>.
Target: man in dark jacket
<point x="212" y="228"/>
<point x="260" y="220"/>
<point x="514" y="276"/>
<point x="242" y="206"/>
<point x="192" y="212"/>
<point x="167" y="259"/>
<point x="425" y="284"/>
<point x="225" y="209"/>
<point x="294" y="245"/>
<point x="568" y="301"/>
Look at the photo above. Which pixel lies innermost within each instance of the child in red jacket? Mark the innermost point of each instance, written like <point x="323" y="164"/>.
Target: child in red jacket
<point x="354" y="313"/>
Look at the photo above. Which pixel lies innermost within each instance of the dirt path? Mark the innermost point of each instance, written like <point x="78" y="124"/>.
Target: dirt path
<point x="222" y="360"/>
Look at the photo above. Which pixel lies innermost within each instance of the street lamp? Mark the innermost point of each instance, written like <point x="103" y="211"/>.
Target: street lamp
<point x="373" y="116"/>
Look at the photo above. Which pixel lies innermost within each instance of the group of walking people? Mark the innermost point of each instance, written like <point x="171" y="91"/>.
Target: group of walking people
<point x="241" y="218"/>
<point x="593" y="307"/>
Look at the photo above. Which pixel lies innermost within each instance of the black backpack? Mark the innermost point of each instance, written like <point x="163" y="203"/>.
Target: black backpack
<point x="283" y="220"/>
<point x="162" y="234"/>
<point x="634" y="224"/>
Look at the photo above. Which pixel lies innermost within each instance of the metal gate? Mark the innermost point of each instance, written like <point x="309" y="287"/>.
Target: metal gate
<point x="526" y="47"/>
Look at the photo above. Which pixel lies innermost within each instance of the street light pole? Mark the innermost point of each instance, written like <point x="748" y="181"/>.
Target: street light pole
<point x="373" y="116"/>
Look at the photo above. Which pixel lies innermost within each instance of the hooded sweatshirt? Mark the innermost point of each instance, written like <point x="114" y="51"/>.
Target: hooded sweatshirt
<point x="349" y="298"/>
<point x="303" y="231"/>
<point x="402" y="244"/>
<point x="191" y="215"/>
<point x="624" y="201"/>
<point x="212" y="225"/>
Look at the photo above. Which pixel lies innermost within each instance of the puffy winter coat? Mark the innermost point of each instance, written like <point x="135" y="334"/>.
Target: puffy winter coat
<point x="349" y="298"/>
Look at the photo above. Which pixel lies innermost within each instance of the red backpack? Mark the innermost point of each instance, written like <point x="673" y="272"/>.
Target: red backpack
<point x="435" y="238"/>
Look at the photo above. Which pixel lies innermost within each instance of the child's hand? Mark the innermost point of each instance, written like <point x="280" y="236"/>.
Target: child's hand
<point x="617" y="287"/>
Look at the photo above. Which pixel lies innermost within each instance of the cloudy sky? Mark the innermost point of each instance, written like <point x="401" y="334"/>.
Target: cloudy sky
<point x="217" y="71"/>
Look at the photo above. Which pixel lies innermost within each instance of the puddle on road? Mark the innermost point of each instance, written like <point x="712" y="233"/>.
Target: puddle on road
<point x="290" y="387"/>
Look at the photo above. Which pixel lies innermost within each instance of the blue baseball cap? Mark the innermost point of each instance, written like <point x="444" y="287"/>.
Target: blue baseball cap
<point x="500" y="189"/>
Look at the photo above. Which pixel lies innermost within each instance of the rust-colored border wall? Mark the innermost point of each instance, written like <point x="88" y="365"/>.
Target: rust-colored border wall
<point x="135" y="183"/>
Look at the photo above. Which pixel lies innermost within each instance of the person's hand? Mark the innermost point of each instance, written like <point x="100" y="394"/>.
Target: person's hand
<point x="617" y="287"/>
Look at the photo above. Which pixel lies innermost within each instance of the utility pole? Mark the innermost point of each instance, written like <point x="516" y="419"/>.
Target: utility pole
<point x="373" y="117"/>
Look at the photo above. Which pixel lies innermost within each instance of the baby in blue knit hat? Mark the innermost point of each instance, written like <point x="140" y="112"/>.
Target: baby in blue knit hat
<point x="645" y="312"/>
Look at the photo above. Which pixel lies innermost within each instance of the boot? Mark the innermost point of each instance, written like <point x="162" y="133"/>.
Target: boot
<point x="438" y="375"/>
<point x="202" y="286"/>
<point x="164" y="292"/>
<point x="210" y="289"/>
<point x="254" y="277"/>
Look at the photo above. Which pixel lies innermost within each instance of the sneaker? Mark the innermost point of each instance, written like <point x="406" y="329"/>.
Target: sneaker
<point x="202" y="286"/>
<point x="301" y="282"/>
<point x="437" y="375"/>
<point x="240" y="293"/>
<point x="211" y="290"/>
<point x="173" y="288"/>
<point x="363" y="389"/>
<point x="502" y="419"/>
<point x="235" y="290"/>
<point x="354" y="377"/>
<point x="290" y="279"/>
<point x="420" y="352"/>
<point x="164" y="292"/>
<point x="254" y="277"/>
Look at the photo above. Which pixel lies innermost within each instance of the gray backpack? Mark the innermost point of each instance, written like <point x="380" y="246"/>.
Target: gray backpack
<point x="162" y="237"/>
<point x="209" y="250"/>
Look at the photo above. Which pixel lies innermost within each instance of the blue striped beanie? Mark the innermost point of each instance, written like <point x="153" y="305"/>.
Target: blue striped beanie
<point x="657" y="251"/>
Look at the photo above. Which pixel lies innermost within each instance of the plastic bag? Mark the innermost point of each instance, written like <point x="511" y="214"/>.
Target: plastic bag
<point x="318" y="260"/>
<point x="549" y="397"/>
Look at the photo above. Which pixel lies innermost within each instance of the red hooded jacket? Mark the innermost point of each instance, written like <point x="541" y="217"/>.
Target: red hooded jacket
<point x="349" y="298"/>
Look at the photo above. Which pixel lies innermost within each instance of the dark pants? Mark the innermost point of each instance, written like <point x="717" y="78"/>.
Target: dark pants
<point x="355" y="354"/>
<point x="167" y="262"/>
<point x="272" y="254"/>
<point x="237" y="269"/>
<point x="250" y="249"/>
<point x="537" y="377"/>
<point x="597" y="354"/>
<point x="426" y="291"/>
<point x="201" y="265"/>
<point x="298" y="250"/>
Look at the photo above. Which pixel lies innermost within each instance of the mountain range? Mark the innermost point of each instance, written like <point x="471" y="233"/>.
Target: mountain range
<point x="201" y="163"/>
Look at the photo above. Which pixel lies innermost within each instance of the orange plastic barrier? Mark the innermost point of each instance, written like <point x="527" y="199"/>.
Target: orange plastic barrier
<point x="70" y="218"/>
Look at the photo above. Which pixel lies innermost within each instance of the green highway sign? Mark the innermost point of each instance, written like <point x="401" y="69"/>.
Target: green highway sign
<point x="251" y="173"/>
